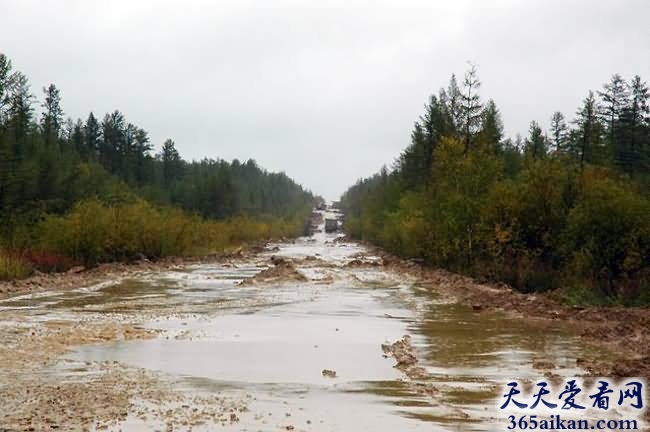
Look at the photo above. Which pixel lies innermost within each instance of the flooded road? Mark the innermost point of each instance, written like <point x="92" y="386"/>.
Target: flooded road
<point x="287" y="339"/>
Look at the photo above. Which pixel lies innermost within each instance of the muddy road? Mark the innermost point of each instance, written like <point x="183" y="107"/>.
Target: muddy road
<point x="301" y="336"/>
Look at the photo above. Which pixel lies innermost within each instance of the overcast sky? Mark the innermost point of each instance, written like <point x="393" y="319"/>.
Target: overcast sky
<point x="326" y="91"/>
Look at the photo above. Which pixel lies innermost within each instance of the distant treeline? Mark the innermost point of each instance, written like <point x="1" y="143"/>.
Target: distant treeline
<point x="51" y="166"/>
<point x="564" y="208"/>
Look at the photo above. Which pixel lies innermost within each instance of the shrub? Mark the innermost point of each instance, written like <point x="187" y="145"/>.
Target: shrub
<point x="607" y="238"/>
<point x="94" y="232"/>
<point x="48" y="262"/>
<point x="13" y="266"/>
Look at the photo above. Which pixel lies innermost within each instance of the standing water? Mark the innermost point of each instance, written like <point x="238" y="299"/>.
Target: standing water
<point x="302" y="350"/>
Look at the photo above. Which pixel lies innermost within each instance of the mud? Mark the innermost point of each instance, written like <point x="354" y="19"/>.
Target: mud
<point x="30" y="345"/>
<point x="41" y="392"/>
<point x="623" y="331"/>
<point x="280" y="270"/>
<point x="288" y="336"/>
<point x="405" y="355"/>
<point x="80" y="276"/>
<point x="112" y="396"/>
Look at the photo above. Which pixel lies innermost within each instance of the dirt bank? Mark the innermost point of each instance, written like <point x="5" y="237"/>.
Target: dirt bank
<point x="624" y="332"/>
<point x="82" y="277"/>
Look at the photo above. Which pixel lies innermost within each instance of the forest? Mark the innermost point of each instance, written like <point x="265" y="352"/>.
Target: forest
<point x="565" y="208"/>
<point x="93" y="190"/>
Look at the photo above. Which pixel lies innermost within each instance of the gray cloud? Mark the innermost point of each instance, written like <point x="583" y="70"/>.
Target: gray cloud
<point x="326" y="91"/>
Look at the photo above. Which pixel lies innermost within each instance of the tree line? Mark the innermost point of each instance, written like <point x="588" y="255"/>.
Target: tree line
<point x="49" y="164"/>
<point x="568" y="207"/>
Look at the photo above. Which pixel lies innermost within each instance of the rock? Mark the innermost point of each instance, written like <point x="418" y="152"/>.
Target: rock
<point x="327" y="373"/>
<point x="477" y="307"/>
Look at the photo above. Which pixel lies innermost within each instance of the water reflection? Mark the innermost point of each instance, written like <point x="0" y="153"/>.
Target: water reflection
<point x="274" y="340"/>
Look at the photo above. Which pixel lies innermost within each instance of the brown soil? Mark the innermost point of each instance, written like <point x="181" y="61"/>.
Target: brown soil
<point x="623" y="331"/>
<point x="405" y="355"/>
<point x="280" y="270"/>
<point x="80" y="277"/>
<point x="109" y="391"/>
<point x="98" y="395"/>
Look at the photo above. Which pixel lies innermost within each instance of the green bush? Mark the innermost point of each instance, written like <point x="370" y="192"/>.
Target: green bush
<point x="552" y="225"/>
<point x="607" y="238"/>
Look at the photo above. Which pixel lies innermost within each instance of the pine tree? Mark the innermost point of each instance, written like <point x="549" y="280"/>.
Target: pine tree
<point x="559" y="132"/>
<point x="6" y="78"/>
<point x="112" y="145"/>
<point x="20" y="107"/>
<point x="454" y="101"/>
<point x="491" y="132"/>
<point x="92" y="136"/>
<point x="77" y="139"/>
<point x="435" y="125"/>
<point x="412" y="161"/>
<point x="587" y="145"/>
<point x="614" y="98"/>
<point x="470" y="107"/>
<point x="142" y="148"/>
<point x="171" y="162"/>
<point x="52" y="117"/>
<point x="632" y="152"/>
<point x="535" y="145"/>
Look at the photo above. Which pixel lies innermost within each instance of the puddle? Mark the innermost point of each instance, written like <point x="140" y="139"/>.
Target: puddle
<point x="273" y="341"/>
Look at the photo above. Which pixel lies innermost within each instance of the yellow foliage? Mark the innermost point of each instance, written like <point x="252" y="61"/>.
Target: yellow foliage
<point x="13" y="266"/>
<point x="93" y="232"/>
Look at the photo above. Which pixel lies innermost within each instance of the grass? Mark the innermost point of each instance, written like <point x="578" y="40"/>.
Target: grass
<point x="584" y="295"/>
<point x="13" y="266"/>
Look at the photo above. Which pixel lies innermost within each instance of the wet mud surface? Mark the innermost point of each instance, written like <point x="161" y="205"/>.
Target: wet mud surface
<point x="319" y="334"/>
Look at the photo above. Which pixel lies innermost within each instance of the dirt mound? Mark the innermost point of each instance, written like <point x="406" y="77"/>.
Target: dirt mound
<point x="407" y="361"/>
<point x="281" y="270"/>
<point x="405" y="355"/>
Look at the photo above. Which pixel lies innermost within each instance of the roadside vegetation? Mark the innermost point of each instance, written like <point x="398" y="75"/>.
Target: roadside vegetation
<point x="87" y="191"/>
<point x="567" y="208"/>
